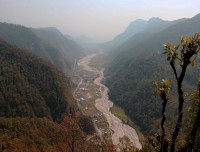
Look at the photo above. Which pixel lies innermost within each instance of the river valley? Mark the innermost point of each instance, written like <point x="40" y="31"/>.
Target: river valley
<point x="92" y="98"/>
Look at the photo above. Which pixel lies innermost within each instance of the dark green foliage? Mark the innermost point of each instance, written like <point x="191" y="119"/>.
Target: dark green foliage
<point x="179" y="57"/>
<point x="146" y="43"/>
<point x="132" y="89"/>
<point x="182" y="54"/>
<point x="87" y="125"/>
<point x="147" y="147"/>
<point x="191" y="117"/>
<point x="29" y="86"/>
<point x="138" y="64"/>
<point x="47" y="43"/>
<point x="22" y="37"/>
<point x="136" y="32"/>
<point x="54" y="38"/>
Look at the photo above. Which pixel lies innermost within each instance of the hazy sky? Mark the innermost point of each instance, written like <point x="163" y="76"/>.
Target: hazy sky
<point x="98" y="19"/>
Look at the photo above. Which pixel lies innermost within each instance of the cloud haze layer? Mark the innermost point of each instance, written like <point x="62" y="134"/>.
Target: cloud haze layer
<point x="98" y="19"/>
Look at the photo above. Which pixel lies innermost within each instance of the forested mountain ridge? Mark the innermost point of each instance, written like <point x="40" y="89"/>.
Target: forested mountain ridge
<point x="149" y="44"/>
<point x="55" y="39"/>
<point x="47" y="43"/>
<point x="131" y="73"/>
<point x="133" y="28"/>
<point x="22" y="37"/>
<point x="136" y="31"/>
<point x="31" y="87"/>
<point x="38" y="111"/>
<point x="153" y="26"/>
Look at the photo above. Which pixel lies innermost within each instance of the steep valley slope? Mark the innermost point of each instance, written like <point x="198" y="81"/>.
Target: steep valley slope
<point x="48" y="43"/>
<point x="135" y="65"/>
<point x="31" y="87"/>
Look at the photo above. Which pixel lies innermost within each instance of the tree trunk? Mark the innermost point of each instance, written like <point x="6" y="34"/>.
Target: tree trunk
<point x="180" y="108"/>
<point x="164" y="143"/>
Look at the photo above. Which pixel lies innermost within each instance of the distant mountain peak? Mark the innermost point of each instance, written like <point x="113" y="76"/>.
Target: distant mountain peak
<point x="154" y="20"/>
<point x="137" y="21"/>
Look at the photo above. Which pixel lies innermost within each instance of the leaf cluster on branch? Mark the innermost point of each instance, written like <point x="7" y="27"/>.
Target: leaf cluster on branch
<point x="184" y="53"/>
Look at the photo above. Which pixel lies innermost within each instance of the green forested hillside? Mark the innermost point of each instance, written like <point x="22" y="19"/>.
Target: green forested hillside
<point x="131" y="74"/>
<point x="55" y="39"/>
<point x="36" y="102"/>
<point x="132" y="89"/>
<point x="47" y="43"/>
<point x="152" y="27"/>
<point x="22" y="37"/>
<point x="135" y="33"/>
<point x="30" y="86"/>
<point x="145" y="44"/>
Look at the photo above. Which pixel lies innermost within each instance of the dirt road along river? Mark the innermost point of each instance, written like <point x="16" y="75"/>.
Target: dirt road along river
<point x="103" y="104"/>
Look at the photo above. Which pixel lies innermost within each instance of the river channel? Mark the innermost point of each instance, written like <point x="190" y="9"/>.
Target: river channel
<point x="103" y="104"/>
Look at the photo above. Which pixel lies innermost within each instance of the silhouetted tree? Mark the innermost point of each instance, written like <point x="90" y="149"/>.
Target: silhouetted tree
<point x="184" y="53"/>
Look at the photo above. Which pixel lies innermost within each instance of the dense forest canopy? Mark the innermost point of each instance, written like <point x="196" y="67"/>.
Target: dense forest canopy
<point x="136" y="64"/>
<point x="48" y="43"/>
<point x="30" y="86"/>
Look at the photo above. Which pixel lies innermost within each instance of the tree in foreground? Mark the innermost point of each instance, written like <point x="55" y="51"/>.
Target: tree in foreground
<point x="179" y="57"/>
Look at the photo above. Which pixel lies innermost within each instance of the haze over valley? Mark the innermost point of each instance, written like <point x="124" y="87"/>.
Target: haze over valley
<point x="99" y="76"/>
